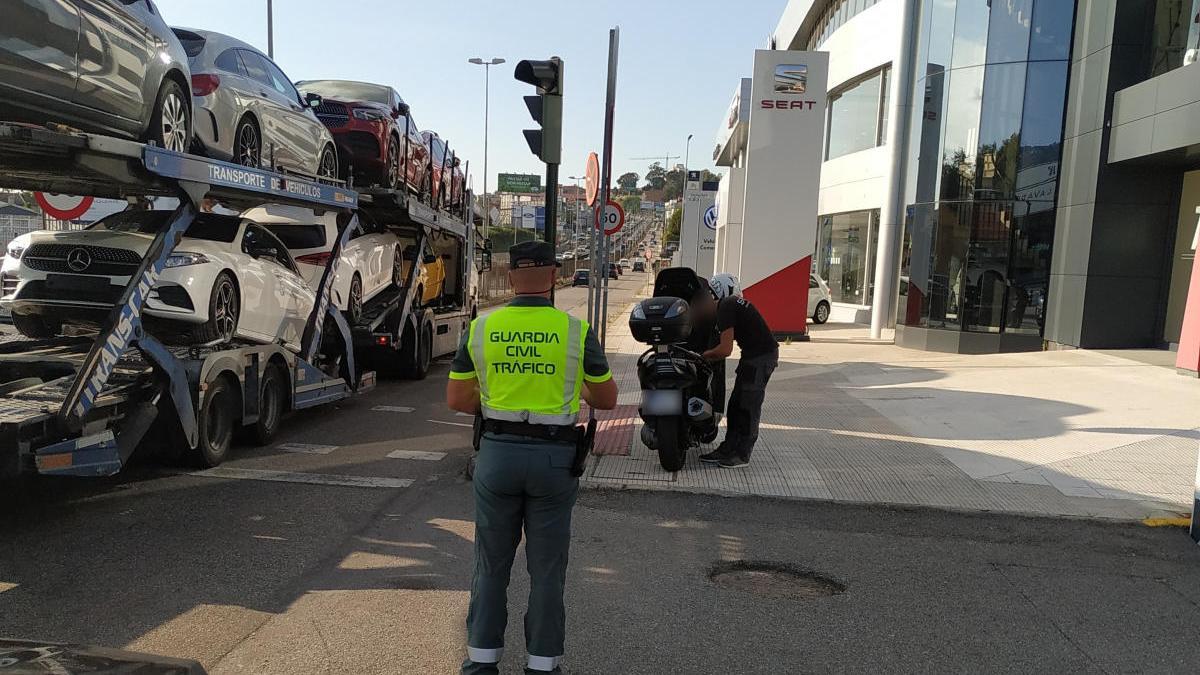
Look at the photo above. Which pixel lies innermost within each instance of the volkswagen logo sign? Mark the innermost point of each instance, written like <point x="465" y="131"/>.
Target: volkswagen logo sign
<point x="710" y="217"/>
<point x="78" y="260"/>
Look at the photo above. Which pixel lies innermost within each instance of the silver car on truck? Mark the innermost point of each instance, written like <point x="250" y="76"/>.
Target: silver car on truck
<point x="104" y="66"/>
<point x="247" y="110"/>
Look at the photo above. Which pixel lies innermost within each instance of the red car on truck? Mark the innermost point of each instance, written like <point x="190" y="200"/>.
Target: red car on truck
<point x="369" y="123"/>
<point x="444" y="164"/>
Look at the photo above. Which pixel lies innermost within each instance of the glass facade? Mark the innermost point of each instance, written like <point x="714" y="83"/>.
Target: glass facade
<point x="984" y="154"/>
<point x="1175" y="38"/>
<point x="857" y="115"/>
<point x="835" y="14"/>
<point x="846" y="245"/>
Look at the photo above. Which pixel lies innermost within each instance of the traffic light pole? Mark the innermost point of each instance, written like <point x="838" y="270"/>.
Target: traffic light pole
<point x="552" y="213"/>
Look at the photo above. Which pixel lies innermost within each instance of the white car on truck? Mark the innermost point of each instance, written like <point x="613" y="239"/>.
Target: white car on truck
<point x="228" y="278"/>
<point x="371" y="261"/>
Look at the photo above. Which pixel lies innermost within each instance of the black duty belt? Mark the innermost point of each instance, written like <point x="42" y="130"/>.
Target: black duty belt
<point x="546" y="432"/>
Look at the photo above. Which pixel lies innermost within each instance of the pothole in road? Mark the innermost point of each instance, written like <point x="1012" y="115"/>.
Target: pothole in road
<point x="774" y="579"/>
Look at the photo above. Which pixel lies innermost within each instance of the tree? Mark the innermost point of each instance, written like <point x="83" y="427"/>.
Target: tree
<point x="656" y="177"/>
<point x="674" y="222"/>
<point x="631" y="204"/>
<point x="673" y="183"/>
<point x="628" y="182"/>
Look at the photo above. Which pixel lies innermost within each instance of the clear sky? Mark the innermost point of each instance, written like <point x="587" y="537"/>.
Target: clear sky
<point x="680" y="61"/>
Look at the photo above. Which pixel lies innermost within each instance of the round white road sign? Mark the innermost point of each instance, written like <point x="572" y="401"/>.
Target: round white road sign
<point x="612" y="219"/>
<point x="63" y="207"/>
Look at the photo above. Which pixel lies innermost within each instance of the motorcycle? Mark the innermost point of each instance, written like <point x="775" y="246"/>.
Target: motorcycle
<point x="682" y="393"/>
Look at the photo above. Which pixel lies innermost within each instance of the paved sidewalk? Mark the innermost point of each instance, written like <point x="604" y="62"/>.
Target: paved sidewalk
<point x="1069" y="433"/>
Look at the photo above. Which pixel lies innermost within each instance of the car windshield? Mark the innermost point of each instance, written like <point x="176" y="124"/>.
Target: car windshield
<point x="208" y="226"/>
<point x="352" y="91"/>
<point x="298" y="236"/>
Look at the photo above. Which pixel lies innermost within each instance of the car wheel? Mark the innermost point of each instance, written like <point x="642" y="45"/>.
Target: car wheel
<point x="393" y="179"/>
<point x="272" y="403"/>
<point x="247" y="145"/>
<point x="34" y="326"/>
<point x="328" y="168"/>
<point x="354" y="303"/>
<point x="224" y="310"/>
<point x="821" y="315"/>
<point x="218" y="418"/>
<point x="171" y="124"/>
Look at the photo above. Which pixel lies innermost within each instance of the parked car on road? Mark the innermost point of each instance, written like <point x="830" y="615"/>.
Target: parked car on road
<point x="614" y="272"/>
<point x="581" y="278"/>
<point x="451" y="197"/>
<point x="105" y="66"/>
<point x="227" y="278"/>
<point x="369" y="123"/>
<point x="820" y="299"/>
<point x="369" y="263"/>
<point x="247" y="111"/>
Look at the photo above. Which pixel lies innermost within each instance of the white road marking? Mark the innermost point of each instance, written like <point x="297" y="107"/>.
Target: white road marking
<point x="416" y="454"/>
<point x="453" y="424"/>
<point x="306" y="448"/>
<point x="306" y="478"/>
<point x="393" y="408"/>
<point x="463" y="414"/>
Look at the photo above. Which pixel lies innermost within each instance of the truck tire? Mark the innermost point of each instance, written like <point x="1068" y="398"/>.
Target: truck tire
<point x="272" y="404"/>
<point x="217" y="422"/>
<point x="419" y="356"/>
<point x="34" y="326"/>
<point x="672" y="442"/>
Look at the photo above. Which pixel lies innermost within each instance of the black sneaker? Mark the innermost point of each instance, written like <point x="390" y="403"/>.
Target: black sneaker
<point x="733" y="462"/>
<point x="713" y="457"/>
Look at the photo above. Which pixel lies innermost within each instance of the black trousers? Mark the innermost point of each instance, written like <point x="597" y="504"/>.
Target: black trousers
<point x="745" y="404"/>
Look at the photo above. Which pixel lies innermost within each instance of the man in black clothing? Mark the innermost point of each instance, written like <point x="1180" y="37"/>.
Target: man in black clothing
<point x="738" y="321"/>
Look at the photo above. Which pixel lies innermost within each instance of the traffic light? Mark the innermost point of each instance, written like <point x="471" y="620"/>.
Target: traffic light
<point x="545" y="108"/>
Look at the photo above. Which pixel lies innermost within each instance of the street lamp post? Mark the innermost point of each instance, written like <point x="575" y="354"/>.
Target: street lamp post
<point x="270" y="30"/>
<point x="487" y="69"/>
<point x="687" y="152"/>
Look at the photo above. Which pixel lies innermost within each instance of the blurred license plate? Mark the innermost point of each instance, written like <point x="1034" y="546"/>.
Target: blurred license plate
<point x="662" y="402"/>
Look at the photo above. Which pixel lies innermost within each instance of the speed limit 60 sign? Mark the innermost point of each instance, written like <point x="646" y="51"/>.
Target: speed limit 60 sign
<point x="611" y="219"/>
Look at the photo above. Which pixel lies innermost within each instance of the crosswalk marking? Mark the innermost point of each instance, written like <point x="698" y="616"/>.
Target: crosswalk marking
<point x="416" y="454"/>
<point x="453" y="424"/>
<point x="306" y="478"/>
<point x="306" y="448"/>
<point x="393" y="408"/>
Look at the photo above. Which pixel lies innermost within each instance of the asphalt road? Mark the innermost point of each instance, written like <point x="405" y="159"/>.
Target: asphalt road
<point x="306" y="575"/>
<point x="166" y="561"/>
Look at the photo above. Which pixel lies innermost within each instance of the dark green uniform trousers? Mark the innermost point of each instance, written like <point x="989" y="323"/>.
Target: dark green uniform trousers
<point x="520" y="483"/>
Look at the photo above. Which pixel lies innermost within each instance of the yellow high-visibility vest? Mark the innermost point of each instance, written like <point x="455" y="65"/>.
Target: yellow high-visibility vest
<point x="529" y="363"/>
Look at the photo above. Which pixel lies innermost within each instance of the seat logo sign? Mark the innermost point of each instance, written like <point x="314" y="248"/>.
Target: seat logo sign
<point x="710" y="218"/>
<point x="79" y="260"/>
<point x="791" y="79"/>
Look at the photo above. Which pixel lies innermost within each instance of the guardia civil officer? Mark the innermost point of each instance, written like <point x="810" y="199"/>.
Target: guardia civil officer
<point x="525" y="367"/>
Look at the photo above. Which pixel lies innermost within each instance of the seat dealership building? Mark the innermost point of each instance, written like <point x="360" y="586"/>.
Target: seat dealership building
<point x="993" y="176"/>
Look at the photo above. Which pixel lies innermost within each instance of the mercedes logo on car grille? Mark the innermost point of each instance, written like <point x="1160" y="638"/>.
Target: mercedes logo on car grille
<point x="79" y="259"/>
